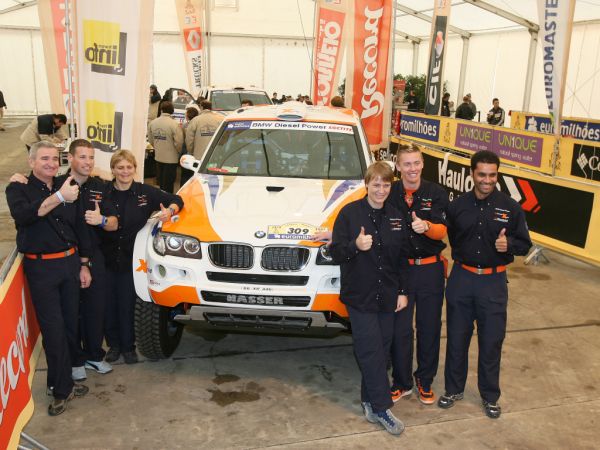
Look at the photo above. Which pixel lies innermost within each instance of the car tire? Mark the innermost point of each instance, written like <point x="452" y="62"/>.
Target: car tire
<point x="157" y="335"/>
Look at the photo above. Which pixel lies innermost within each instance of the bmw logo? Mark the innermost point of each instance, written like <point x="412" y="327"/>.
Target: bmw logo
<point x="260" y="234"/>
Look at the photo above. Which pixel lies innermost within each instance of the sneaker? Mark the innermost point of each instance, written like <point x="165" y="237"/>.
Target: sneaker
<point x="397" y="394"/>
<point x="426" y="395"/>
<point x="369" y="414"/>
<point x="447" y="400"/>
<point x="98" y="366"/>
<point x="59" y="406"/>
<point x="392" y="424"/>
<point x="492" y="410"/>
<point x="130" y="357"/>
<point x="112" y="355"/>
<point x="78" y="373"/>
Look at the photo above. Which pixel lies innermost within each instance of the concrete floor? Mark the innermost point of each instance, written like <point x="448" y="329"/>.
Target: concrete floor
<point x="255" y="391"/>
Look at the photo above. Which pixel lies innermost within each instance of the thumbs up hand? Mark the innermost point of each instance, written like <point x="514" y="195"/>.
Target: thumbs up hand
<point x="165" y="214"/>
<point x="69" y="191"/>
<point x="502" y="242"/>
<point x="418" y="225"/>
<point x="93" y="216"/>
<point x="364" y="241"/>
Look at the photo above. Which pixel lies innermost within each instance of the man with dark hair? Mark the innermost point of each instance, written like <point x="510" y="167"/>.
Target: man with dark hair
<point x="274" y="99"/>
<point x="246" y="103"/>
<point x="56" y="245"/>
<point x="413" y="101"/>
<point x="486" y="229"/>
<point x="2" y="108"/>
<point x="472" y="105"/>
<point x="337" y="102"/>
<point x="47" y="127"/>
<point x="201" y="130"/>
<point x="166" y="136"/>
<point x="446" y="105"/>
<point x="464" y="110"/>
<point x="495" y="116"/>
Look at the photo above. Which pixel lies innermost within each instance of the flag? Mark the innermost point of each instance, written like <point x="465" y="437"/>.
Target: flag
<point x="191" y="15"/>
<point x="113" y="51"/>
<point x="435" y="73"/>
<point x="328" y="49"/>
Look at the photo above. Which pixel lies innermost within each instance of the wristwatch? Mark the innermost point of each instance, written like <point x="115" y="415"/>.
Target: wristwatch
<point x="86" y="264"/>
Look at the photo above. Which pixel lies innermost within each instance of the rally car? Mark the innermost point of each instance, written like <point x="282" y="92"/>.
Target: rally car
<point x="240" y="254"/>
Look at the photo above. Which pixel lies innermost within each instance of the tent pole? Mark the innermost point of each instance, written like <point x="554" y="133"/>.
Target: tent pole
<point x="530" y="67"/>
<point x="463" y="70"/>
<point x="70" y="70"/>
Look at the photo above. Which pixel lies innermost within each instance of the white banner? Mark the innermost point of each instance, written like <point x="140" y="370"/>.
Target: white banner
<point x="192" y="26"/>
<point x="556" y="22"/>
<point x="113" y="50"/>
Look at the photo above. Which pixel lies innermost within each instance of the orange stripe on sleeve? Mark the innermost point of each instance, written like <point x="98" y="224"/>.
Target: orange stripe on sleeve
<point x="436" y="231"/>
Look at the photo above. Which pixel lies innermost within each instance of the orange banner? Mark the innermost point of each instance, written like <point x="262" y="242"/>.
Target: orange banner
<point x="328" y="49"/>
<point x="368" y="84"/>
<point x="19" y="351"/>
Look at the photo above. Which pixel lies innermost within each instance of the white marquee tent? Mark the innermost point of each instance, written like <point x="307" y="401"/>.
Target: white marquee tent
<point x="268" y="43"/>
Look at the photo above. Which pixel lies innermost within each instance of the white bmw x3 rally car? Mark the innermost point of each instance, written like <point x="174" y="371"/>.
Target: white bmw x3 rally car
<point x="240" y="254"/>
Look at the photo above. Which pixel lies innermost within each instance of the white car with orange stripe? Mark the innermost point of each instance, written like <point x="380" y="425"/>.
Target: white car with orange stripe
<point x="240" y="254"/>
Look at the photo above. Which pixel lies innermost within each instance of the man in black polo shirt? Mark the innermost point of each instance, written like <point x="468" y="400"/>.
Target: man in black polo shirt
<point x="55" y="243"/>
<point x="486" y="229"/>
<point x="423" y="205"/>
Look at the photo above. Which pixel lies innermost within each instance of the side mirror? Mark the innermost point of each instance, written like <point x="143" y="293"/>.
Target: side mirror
<point x="189" y="162"/>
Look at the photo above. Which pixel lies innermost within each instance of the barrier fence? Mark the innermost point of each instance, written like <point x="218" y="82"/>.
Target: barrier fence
<point x="562" y="214"/>
<point x="20" y="347"/>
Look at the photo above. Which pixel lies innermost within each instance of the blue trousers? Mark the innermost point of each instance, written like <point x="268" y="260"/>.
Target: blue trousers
<point x="426" y="295"/>
<point x="372" y="339"/>
<point x="480" y="299"/>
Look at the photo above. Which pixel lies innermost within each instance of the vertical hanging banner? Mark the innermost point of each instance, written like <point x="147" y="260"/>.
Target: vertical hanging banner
<point x="113" y="50"/>
<point x="368" y="84"/>
<point x="192" y="26"/>
<point x="20" y="348"/>
<point x="556" y="23"/>
<point x="435" y="73"/>
<point x="328" y="49"/>
<point x="53" y="30"/>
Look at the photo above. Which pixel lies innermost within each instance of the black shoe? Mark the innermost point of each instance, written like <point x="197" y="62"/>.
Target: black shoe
<point x="59" y="406"/>
<point x="492" y="410"/>
<point x="130" y="357"/>
<point x="112" y="355"/>
<point x="447" y="400"/>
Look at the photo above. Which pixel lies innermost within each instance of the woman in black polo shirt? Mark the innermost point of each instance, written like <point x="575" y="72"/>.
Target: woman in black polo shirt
<point x="135" y="203"/>
<point x="370" y="244"/>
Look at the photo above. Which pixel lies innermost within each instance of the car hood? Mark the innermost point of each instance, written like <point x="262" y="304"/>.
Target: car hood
<point x="259" y="210"/>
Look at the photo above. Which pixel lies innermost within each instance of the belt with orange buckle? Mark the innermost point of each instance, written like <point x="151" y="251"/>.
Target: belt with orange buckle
<point x="483" y="270"/>
<point x="51" y="255"/>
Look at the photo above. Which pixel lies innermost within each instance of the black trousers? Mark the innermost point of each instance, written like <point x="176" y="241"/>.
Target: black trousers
<point x="92" y="310"/>
<point x="372" y="339"/>
<point x="426" y="295"/>
<point x="482" y="299"/>
<point x="120" y="304"/>
<point x="165" y="176"/>
<point x="54" y="287"/>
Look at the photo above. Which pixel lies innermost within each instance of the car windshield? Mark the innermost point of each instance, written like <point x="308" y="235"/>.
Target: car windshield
<point x="230" y="100"/>
<point x="323" y="151"/>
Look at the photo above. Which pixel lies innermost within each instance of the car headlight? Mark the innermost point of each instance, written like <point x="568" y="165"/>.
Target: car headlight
<point x="324" y="256"/>
<point x="176" y="245"/>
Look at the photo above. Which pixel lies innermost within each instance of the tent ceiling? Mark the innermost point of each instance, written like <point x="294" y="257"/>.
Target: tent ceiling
<point x="465" y="15"/>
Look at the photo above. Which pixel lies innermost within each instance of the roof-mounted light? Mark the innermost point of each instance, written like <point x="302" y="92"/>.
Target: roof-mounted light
<point x="291" y="111"/>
